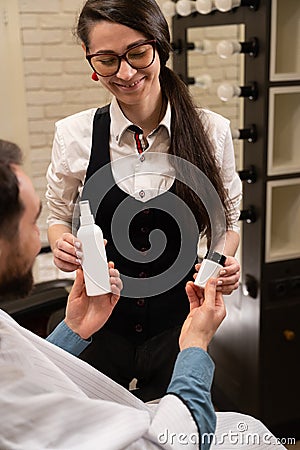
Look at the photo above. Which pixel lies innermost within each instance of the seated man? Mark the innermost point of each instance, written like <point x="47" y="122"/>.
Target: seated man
<point x="51" y="399"/>
<point x="48" y="395"/>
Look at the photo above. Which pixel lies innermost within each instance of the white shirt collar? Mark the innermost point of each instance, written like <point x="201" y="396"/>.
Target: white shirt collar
<point x="120" y="123"/>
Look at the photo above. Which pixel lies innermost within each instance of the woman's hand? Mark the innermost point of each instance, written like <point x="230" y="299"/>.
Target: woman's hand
<point x="229" y="276"/>
<point x="67" y="253"/>
<point x="228" y="280"/>
<point x="85" y="315"/>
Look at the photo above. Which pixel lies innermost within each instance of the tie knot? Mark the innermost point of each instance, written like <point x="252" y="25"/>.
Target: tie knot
<point x="135" y="129"/>
<point x="138" y="137"/>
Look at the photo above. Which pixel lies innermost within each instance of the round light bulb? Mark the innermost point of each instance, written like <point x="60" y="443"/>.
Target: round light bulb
<point x="226" y="5"/>
<point x="204" y="47"/>
<point x="168" y="9"/>
<point x="204" y="81"/>
<point x="185" y="7"/>
<point x="227" y="91"/>
<point x="235" y="133"/>
<point x="228" y="48"/>
<point x="205" y="6"/>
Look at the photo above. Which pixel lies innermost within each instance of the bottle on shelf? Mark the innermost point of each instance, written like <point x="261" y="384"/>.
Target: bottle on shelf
<point x="248" y="215"/>
<point x="225" y="49"/>
<point x="228" y="5"/>
<point x="202" y="81"/>
<point x="185" y="7"/>
<point x="205" y="6"/>
<point x="249" y="134"/>
<point x="227" y="91"/>
<point x="248" y="175"/>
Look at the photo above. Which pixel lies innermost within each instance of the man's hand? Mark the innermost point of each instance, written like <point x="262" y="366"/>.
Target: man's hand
<point x="207" y="311"/>
<point x="85" y="315"/>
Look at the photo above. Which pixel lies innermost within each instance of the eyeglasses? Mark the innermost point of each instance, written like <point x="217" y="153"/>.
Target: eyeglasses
<point x="139" y="56"/>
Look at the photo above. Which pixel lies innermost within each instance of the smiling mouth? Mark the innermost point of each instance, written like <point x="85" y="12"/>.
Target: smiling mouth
<point x="131" y="84"/>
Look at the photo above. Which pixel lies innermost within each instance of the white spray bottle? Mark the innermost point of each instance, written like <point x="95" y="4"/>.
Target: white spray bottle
<point x="94" y="261"/>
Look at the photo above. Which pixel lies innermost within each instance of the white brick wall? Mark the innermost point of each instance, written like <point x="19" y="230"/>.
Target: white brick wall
<point x="58" y="83"/>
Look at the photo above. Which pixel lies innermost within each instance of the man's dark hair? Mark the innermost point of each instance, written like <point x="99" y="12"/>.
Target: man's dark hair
<point x="10" y="153"/>
<point x="11" y="207"/>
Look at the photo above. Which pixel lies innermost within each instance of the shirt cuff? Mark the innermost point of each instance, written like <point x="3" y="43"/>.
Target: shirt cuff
<point x="62" y="336"/>
<point x="194" y="361"/>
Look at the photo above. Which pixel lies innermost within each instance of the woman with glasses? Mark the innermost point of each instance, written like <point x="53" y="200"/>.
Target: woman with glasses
<point x="130" y="153"/>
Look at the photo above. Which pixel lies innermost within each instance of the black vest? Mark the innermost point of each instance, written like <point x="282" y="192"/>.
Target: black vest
<point x="136" y="318"/>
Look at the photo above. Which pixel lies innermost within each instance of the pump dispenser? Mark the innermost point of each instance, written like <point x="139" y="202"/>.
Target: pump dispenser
<point x="94" y="261"/>
<point x="210" y="268"/>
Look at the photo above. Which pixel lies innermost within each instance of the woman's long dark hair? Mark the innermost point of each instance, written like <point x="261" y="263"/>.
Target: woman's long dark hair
<point x="189" y="139"/>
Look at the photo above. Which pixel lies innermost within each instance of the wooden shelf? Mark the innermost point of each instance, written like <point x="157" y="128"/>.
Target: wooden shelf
<point x="283" y="220"/>
<point x="285" y="40"/>
<point x="284" y="130"/>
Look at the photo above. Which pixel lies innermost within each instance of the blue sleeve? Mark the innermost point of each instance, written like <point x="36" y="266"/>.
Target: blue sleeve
<point x="65" y="338"/>
<point x="191" y="382"/>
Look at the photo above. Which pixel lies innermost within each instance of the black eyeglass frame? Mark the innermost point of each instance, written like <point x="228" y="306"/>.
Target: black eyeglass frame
<point x="152" y="42"/>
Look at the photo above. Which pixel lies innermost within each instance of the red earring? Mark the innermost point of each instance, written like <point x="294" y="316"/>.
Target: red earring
<point x="95" y="77"/>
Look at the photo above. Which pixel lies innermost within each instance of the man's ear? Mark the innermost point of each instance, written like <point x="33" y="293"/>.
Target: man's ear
<point x="83" y="47"/>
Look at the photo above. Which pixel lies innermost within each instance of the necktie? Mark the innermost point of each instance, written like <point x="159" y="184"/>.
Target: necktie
<point x="138" y="137"/>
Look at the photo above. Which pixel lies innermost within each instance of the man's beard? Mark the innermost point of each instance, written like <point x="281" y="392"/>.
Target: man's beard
<point x="15" y="285"/>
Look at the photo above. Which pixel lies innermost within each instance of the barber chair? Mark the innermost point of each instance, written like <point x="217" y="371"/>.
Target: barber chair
<point x="43" y="309"/>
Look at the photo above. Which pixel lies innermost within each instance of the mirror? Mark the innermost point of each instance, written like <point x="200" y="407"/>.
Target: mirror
<point x="203" y="61"/>
<point x="209" y="71"/>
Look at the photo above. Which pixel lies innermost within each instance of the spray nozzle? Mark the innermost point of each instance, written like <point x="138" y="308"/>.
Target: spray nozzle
<point x="86" y="217"/>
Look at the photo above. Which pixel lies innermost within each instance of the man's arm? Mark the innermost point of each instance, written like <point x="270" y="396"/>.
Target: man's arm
<point x="191" y="382"/>
<point x="193" y="373"/>
<point x="62" y="336"/>
<point x="85" y="315"/>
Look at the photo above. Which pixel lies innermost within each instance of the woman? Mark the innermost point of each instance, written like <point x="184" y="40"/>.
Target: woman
<point x="151" y="113"/>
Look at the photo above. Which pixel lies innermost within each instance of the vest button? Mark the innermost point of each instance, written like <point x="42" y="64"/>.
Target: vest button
<point x="140" y="302"/>
<point x="144" y="230"/>
<point x="146" y="211"/>
<point x="138" y="328"/>
<point x="143" y="275"/>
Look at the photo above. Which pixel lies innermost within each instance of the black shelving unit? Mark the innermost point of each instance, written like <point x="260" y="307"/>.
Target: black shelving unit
<point x="257" y="350"/>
